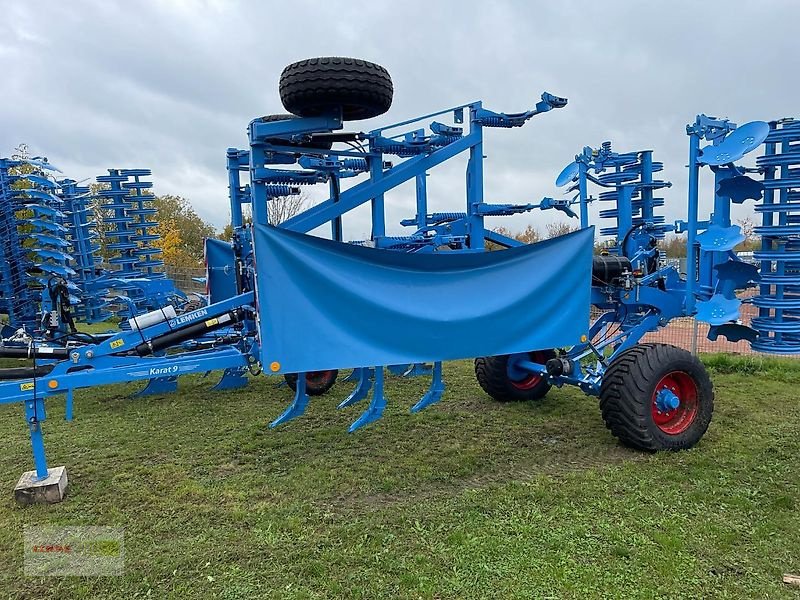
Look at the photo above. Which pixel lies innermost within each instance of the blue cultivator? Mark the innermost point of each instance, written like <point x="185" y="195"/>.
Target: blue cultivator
<point x="140" y="209"/>
<point x="304" y="307"/>
<point x="82" y="234"/>
<point x="127" y="204"/>
<point x="122" y="242"/>
<point x="629" y="183"/>
<point x="36" y="244"/>
<point x="17" y="299"/>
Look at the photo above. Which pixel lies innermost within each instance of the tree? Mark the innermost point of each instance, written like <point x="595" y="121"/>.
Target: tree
<point x="279" y="209"/>
<point x="530" y="235"/>
<point x="559" y="229"/>
<point x="674" y="246"/>
<point x="175" y="213"/>
<point x="752" y="241"/>
<point x="174" y="252"/>
<point x="283" y="208"/>
<point x="226" y="235"/>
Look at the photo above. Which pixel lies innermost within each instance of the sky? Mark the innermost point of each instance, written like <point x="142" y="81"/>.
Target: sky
<point x="170" y="85"/>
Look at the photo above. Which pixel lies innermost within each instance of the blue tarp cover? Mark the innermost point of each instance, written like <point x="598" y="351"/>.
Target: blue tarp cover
<point x="329" y="305"/>
<point x="220" y="270"/>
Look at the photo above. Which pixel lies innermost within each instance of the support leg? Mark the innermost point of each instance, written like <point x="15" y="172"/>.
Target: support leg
<point x="68" y="406"/>
<point x="376" y="405"/>
<point x="434" y="393"/>
<point x="37" y="445"/>
<point x="298" y="405"/>
<point x="42" y="485"/>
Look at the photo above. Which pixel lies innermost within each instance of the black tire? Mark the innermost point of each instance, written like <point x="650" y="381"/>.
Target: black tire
<point x="493" y="376"/>
<point x="317" y="382"/>
<point x="312" y="144"/>
<point x="311" y="87"/>
<point x="628" y="398"/>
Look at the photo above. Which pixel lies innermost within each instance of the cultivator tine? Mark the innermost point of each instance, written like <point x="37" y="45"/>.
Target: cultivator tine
<point x="434" y="393"/>
<point x="298" y="405"/>
<point x="418" y="370"/>
<point x="355" y="375"/>
<point x="376" y="405"/>
<point x="232" y="379"/>
<point x="160" y="386"/>
<point x="364" y="378"/>
<point x="410" y="369"/>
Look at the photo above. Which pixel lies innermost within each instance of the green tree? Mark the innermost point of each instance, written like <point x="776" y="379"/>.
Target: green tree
<point x="176" y="213"/>
<point x="226" y="235"/>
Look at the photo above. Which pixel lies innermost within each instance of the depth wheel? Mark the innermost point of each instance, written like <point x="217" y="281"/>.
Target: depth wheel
<point x="657" y="397"/>
<point x="500" y="379"/>
<point x="317" y="382"/>
<point x="312" y="87"/>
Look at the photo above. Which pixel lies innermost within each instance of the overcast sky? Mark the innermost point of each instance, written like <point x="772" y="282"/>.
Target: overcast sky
<point x="170" y="85"/>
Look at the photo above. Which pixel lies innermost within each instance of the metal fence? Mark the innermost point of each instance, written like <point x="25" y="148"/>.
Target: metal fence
<point x="185" y="279"/>
<point x="692" y="335"/>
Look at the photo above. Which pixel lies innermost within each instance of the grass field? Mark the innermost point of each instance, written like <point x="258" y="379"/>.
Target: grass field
<point x="470" y="499"/>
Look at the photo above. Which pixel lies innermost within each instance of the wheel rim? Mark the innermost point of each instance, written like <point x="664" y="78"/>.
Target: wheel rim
<point x="675" y="386"/>
<point x="521" y="379"/>
<point x="318" y="378"/>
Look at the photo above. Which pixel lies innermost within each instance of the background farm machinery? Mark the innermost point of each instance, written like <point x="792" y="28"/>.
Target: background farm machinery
<point x="50" y="246"/>
<point x="652" y="396"/>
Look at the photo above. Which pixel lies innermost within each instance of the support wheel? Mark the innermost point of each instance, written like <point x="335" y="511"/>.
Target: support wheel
<point x="316" y="86"/>
<point x="657" y="397"/>
<point x="317" y="382"/>
<point x="504" y="382"/>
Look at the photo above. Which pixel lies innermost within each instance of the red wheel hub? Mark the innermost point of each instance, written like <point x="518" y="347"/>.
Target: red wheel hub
<point x="676" y="420"/>
<point x="531" y="380"/>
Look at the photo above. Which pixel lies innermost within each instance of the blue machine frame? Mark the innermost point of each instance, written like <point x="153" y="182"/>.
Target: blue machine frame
<point x="636" y="293"/>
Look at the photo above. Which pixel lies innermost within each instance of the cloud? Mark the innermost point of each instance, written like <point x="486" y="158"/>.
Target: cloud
<point x="170" y="85"/>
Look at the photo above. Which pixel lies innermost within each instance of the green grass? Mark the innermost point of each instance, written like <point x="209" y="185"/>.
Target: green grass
<point x="470" y="499"/>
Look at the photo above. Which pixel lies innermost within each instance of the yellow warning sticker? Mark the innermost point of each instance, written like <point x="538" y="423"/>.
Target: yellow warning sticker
<point x="117" y="344"/>
<point x="26" y="387"/>
<point x="212" y="322"/>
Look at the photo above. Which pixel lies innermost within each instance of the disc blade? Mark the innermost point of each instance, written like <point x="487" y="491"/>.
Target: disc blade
<point x="567" y="174"/>
<point x="739" y="142"/>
